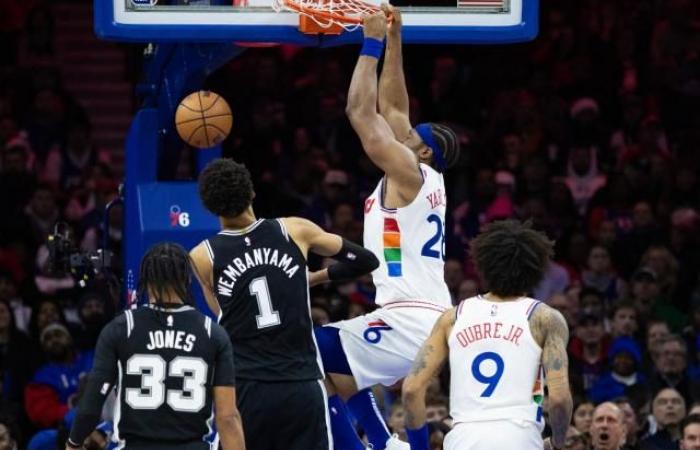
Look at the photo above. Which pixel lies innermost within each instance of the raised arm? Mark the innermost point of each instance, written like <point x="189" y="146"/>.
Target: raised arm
<point x="204" y="271"/>
<point x="395" y="159"/>
<point x="550" y="330"/>
<point x="393" y="95"/>
<point x="353" y="260"/>
<point x="428" y="362"/>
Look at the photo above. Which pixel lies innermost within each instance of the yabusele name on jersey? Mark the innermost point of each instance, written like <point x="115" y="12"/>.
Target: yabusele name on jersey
<point x="489" y="330"/>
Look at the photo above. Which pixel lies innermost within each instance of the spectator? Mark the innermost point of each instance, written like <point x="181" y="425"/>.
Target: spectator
<point x="49" y="396"/>
<point x="670" y="369"/>
<point x="661" y="261"/>
<point x="646" y="297"/>
<point x="690" y="433"/>
<point x="44" y="313"/>
<point x="625" y="377"/>
<point x="42" y="212"/>
<point x="601" y="276"/>
<point x="583" y="176"/>
<point x="624" y="320"/>
<point x="657" y="333"/>
<point x="608" y="428"/>
<point x="567" y="306"/>
<point x="436" y="408"/>
<point x="16" y="179"/>
<point x="94" y="313"/>
<point x="583" y="416"/>
<point x="631" y="425"/>
<point x="67" y="166"/>
<point x="396" y="420"/>
<point x="18" y="356"/>
<point x="591" y="302"/>
<point x="588" y="351"/>
<point x="668" y="409"/>
<point x="8" y="293"/>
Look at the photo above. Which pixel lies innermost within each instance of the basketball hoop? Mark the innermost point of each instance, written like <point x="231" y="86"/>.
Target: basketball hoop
<point x="327" y="16"/>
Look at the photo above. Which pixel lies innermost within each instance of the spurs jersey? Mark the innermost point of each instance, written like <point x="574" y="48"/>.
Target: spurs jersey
<point x="410" y="243"/>
<point x="495" y="362"/>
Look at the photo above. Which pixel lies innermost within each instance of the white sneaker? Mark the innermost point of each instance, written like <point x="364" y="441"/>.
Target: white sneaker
<point x="394" y="443"/>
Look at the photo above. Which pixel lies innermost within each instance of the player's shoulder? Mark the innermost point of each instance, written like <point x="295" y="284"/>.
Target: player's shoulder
<point x="546" y="321"/>
<point x="120" y="324"/>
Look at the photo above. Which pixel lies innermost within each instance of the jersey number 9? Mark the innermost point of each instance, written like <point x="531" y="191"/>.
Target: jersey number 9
<point x="490" y="380"/>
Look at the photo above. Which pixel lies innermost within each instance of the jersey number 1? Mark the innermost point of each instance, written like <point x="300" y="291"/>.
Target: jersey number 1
<point x="268" y="317"/>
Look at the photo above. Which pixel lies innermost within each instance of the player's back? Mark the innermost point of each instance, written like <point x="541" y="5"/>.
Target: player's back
<point x="166" y="362"/>
<point x="495" y="362"/>
<point x="410" y="243"/>
<point x="261" y="284"/>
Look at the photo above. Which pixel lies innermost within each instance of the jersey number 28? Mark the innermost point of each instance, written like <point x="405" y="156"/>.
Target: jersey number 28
<point x="438" y="238"/>
<point x="152" y="393"/>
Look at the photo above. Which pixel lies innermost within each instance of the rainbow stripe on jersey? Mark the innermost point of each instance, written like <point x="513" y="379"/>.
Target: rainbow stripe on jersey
<point x="392" y="246"/>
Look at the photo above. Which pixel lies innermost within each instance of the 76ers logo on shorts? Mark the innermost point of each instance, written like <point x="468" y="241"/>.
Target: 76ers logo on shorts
<point x="179" y="218"/>
<point x="373" y="333"/>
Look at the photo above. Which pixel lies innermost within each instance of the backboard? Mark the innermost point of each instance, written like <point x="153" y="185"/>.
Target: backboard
<point x="425" y="21"/>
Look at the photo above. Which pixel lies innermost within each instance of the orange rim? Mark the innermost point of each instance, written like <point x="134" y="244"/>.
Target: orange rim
<point x="328" y="15"/>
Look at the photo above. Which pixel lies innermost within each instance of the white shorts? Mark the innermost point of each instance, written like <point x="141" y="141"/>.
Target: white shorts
<point x="495" y="435"/>
<point x="381" y="346"/>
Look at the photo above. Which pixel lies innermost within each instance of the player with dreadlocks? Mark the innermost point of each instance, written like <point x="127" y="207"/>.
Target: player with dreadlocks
<point x="172" y="368"/>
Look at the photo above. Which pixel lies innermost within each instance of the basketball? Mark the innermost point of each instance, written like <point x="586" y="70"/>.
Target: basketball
<point x="203" y="119"/>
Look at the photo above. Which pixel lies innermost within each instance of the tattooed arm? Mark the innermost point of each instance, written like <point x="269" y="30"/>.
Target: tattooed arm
<point x="550" y="330"/>
<point x="429" y="361"/>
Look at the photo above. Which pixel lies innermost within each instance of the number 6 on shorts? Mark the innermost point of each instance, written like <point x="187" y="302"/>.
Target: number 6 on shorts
<point x="492" y="380"/>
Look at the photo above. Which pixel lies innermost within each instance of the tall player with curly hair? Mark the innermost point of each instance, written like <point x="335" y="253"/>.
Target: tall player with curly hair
<point x="254" y="274"/>
<point x="498" y="345"/>
<point x="404" y="226"/>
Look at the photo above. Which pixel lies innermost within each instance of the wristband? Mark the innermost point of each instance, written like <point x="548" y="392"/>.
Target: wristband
<point x="419" y="439"/>
<point x="372" y="47"/>
<point x="72" y="444"/>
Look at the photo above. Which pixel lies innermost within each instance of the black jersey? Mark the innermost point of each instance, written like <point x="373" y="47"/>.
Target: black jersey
<point x="260" y="281"/>
<point x="165" y="364"/>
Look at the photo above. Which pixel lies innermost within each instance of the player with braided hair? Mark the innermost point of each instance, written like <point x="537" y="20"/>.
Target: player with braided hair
<point x="171" y="366"/>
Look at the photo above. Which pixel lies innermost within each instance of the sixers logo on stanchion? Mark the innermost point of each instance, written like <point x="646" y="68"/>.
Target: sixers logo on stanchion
<point x="179" y="218"/>
<point x="373" y="333"/>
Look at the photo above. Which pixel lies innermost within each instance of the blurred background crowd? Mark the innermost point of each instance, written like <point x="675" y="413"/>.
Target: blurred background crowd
<point x="591" y="132"/>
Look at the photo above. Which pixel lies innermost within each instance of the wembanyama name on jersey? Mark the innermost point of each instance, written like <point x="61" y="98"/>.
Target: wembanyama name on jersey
<point x="253" y="258"/>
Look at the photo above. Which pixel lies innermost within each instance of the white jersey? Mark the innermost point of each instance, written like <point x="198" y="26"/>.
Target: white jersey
<point x="410" y="243"/>
<point x="495" y="362"/>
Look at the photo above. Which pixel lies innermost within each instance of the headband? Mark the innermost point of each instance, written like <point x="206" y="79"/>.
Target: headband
<point x="425" y="131"/>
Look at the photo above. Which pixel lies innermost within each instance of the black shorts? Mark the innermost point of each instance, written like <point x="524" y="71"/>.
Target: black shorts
<point x="284" y="415"/>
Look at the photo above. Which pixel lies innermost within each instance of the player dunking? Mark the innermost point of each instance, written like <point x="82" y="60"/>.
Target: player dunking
<point x="254" y="272"/>
<point x="168" y="362"/>
<point x="404" y="226"/>
<point x="497" y="345"/>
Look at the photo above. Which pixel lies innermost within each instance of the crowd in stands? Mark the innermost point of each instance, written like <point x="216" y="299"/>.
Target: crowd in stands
<point x="591" y="132"/>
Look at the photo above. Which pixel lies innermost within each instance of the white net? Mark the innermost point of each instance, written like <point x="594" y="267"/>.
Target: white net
<point x="328" y="13"/>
